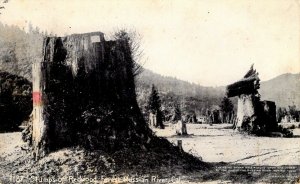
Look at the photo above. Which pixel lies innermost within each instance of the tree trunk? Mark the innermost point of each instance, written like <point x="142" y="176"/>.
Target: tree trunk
<point x="84" y="93"/>
<point x="246" y="106"/>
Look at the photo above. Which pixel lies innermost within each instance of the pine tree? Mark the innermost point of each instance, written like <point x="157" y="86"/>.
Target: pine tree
<point x="280" y="114"/>
<point x="177" y="113"/>
<point x="154" y="105"/>
<point x="154" y="101"/>
<point x="226" y="108"/>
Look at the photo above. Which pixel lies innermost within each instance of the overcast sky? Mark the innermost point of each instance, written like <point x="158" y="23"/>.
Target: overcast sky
<point x="206" y="42"/>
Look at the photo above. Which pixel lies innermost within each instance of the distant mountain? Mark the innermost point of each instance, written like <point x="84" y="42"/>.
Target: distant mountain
<point x="283" y="89"/>
<point x="191" y="97"/>
<point x="18" y="50"/>
<point x="177" y="86"/>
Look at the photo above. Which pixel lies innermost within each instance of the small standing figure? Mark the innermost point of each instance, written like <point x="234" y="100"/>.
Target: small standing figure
<point x="181" y="127"/>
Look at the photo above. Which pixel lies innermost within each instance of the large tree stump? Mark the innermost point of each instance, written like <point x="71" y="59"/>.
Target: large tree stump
<point x="253" y="115"/>
<point x="245" y="109"/>
<point x="84" y="93"/>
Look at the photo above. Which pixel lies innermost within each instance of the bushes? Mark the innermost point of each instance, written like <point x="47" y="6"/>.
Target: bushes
<point x="285" y="131"/>
<point x="292" y="127"/>
<point x="15" y="101"/>
<point x="254" y="127"/>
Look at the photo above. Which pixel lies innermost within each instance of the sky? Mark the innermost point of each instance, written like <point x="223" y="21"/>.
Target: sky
<point x="207" y="42"/>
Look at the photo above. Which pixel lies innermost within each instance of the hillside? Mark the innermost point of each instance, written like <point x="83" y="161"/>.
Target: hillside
<point x="192" y="98"/>
<point x="177" y="86"/>
<point x="19" y="49"/>
<point x="283" y="89"/>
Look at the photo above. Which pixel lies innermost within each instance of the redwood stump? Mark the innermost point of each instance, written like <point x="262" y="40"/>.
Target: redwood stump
<point x="253" y="115"/>
<point x="84" y="93"/>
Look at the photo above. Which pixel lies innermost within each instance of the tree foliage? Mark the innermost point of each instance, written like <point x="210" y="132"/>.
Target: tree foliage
<point x="280" y="114"/>
<point x="290" y="112"/>
<point x="226" y="105"/>
<point x="19" y="49"/>
<point x="15" y="101"/>
<point x="133" y="40"/>
<point x="227" y="109"/>
<point x="293" y="112"/>
<point x="154" y="105"/>
<point x="177" y="113"/>
<point x="154" y="102"/>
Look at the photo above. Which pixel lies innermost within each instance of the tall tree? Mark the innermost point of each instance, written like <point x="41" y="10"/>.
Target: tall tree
<point x="292" y="110"/>
<point x="281" y="112"/>
<point x="132" y="38"/>
<point x="226" y="108"/>
<point x="177" y="113"/>
<point x="154" y="105"/>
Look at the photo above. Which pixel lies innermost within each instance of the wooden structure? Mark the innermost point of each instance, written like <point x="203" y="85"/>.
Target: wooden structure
<point x="249" y="84"/>
<point x="252" y="114"/>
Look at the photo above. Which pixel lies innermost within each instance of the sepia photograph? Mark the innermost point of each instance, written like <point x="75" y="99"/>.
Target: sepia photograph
<point x="149" y="91"/>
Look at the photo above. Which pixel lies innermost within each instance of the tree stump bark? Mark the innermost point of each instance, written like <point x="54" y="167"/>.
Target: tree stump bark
<point x="253" y="115"/>
<point x="84" y="93"/>
<point x="246" y="109"/>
